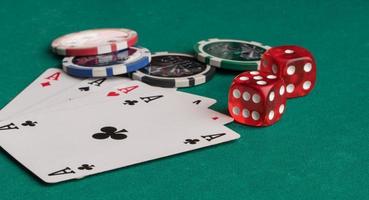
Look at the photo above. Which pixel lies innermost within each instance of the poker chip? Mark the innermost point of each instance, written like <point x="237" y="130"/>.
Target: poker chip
<point x="230" y="54"/>
<point x="174" y="70"/>
<point x="106" y="65"/>
<point x="94" y="42"/>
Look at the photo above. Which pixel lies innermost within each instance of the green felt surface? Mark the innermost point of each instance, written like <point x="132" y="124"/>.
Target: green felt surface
<point x="319" y="150"/>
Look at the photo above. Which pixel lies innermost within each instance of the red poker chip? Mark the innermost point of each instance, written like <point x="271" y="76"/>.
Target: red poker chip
<point x="94" y="42"/>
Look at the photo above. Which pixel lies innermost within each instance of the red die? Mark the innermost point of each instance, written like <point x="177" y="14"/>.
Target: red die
<point x="295" y="65"/>
<point x="256" y="98"/>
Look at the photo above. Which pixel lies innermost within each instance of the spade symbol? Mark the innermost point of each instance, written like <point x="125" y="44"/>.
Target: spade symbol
<point x="84" y="89"/>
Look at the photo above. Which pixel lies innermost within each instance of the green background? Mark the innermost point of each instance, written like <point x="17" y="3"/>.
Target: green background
<point x="319" y="150"/>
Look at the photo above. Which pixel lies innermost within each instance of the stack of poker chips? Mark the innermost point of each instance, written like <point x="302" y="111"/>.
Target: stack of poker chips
<point x="111" y="52"/>
<point x="101" y="52"/>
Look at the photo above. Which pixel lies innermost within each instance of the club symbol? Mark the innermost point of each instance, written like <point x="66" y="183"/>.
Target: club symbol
<point x="191" y="141"/>
<point x="29" y="123"/>
<point x="86" y="167"/>
<point x="130" y="102"/>
<point x="84" y="89"/>
<point x="109" y="131"/>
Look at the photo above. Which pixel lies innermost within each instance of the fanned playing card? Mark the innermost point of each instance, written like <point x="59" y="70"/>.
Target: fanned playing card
<point x="82" y="89"/>
<point x="48" y="84"/>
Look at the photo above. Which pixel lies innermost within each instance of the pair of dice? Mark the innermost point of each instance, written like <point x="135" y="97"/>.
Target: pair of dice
<point x="258" y="98"/>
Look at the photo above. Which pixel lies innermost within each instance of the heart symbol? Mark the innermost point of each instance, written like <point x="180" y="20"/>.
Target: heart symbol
<point x="113" y="94"/>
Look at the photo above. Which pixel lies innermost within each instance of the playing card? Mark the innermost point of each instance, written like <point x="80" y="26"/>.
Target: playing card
<point x="74" y="143"/>
<point x="48" y="84"/>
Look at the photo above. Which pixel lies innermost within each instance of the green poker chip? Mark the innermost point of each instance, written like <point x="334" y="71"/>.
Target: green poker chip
<point x="230" y="54"/>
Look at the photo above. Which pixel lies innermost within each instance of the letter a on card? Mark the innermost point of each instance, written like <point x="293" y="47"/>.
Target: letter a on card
<point x="126" y="90"/>
<point x="54" y="76"/>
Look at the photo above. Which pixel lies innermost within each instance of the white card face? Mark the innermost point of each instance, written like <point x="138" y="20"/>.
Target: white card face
<point x="49" y="83"/>
<point x="71" y="144"/>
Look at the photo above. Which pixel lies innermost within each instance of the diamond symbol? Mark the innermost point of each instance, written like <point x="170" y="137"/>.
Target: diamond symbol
<point x="45" y="84"/>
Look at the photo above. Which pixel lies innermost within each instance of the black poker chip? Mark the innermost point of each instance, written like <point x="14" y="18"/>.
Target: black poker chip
<point x="174" y="70"/>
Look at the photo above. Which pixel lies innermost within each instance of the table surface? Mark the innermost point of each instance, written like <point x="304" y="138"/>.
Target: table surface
<point x="319" y="150"/>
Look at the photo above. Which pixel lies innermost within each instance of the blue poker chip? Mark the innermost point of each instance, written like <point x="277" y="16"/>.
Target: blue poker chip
<point x="110" y="64"/>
